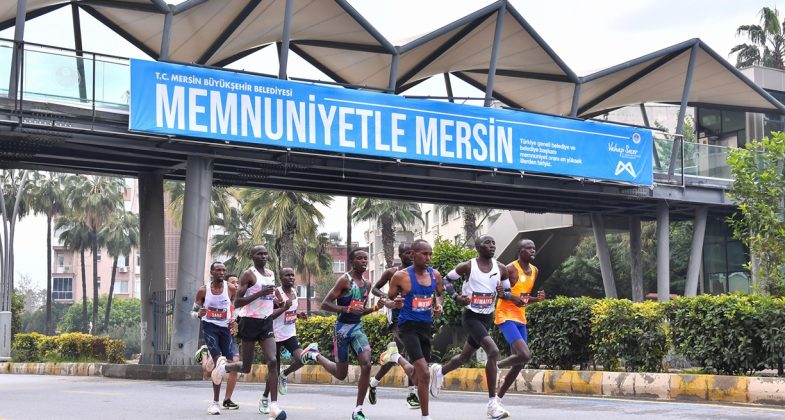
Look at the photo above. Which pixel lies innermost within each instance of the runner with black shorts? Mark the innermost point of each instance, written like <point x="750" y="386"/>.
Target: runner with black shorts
<point x="405" y="254"/>
<point x="478" y="295"/>
<point x="419" y="285"/>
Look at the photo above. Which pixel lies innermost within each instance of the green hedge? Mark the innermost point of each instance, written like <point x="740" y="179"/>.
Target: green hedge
<point x="628" y="336"/>
<point x="71" y="347"/>
<point x="560" y="332"/>
<point x="320" y="329"/>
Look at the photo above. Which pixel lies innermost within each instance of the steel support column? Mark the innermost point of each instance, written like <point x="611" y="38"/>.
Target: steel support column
<point x="448" y="86"/>
<point x="677" y="144"/>
<point x="166" y="36"/>
<point x="497" y="37"/>
<point x="663" y="252"/>
<point x="636" y="265"/>
<point x="152" y="252"/>
<point x="393" y="82"/>
<point x="576" y="97"/>
<point x="608" y="282"/>
<point x="696" y="251"/>
<point x="79" y="52"/>
<point x="191" y="262"/>
<point x="16" y="55"/>
<point x="285" y="38"/>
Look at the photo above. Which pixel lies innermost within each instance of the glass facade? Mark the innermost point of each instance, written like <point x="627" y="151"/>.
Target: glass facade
<point x="723" y="260"/>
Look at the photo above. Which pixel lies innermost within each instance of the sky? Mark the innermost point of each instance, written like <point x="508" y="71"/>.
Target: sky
<point x="587" y="35"/>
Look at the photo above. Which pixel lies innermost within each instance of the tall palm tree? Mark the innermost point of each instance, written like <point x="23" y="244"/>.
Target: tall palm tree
<point x="75" y="236"/>
<point x="287" y="215"/>
<point x="47" y="198"/>
<point x="767" y="44"/>
<point x="388" y="214"/>
<point x="14" y="190"/>
<point x="119" y="236"/>
<point x="97" y="199"/>
<point x="470" y="216"/>
<point x="313" y="260"/>
<point x="222" y="200"/>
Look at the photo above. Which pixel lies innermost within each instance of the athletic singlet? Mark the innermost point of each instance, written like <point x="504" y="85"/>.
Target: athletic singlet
<point x="284" y="326"/>
<point x="505" y="309"/>
<point x="392" y="314"/>
<point x="217" y="306"/>
<point x="480" y="288"/>
<point x="263" y="306"/>
<point x="355" y="297"/>
<point x="417" y="303"/>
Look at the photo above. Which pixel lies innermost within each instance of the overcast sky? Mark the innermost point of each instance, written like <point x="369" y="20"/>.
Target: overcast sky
<point x="587" y="35"/>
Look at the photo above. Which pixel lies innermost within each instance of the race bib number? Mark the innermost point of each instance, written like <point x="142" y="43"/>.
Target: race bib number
<point x="421" y="303"/>
<point x="290" y="317"/>
<point x="357" y="304"/>
<point x="482" y="300"/>
<point x="216" y="314"/>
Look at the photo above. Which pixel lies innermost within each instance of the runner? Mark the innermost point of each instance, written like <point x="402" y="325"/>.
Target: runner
<point x="418" y="285"/>
<point x="511" y="311"/>
<point x="478" y="294"/>
<point x="348" y="298"/>
<point x="255" y="303"/>
<point x="405" y="254"/>
<point x="213" y="309"/>
<point x="285" y="330"/>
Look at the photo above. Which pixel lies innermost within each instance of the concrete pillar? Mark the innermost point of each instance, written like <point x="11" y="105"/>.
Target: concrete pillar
<point x="5" y="336"/>
<point x="608" y="282"/>
<point x="193" y="251"/>
<point x="636" y="266"/>
<point x="152" y="251"/>
<point x="663" y="252"/>
<point x="696" y="252"/>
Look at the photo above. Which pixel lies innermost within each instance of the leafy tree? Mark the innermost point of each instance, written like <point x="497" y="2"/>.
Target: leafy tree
<point x="388" y="214"/>
<point x="17" y="309"/>
<point x="313" y="260"/>
<point x="758" y="188"/>
<point x="470" y="216"/>
<point x="119" y="236"/>
<point x="123" y="323"/>
<point x="36" y="321"/>
<point x="221" y="200"/>
<point x="75" y="236"/>
<point x="767" y="45"/>
<point x="446" y="255"/>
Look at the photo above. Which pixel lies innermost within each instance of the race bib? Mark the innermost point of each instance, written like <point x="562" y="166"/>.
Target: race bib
<point x="421" y="303"/>
<point x="216" y="314"/>
<point x="290" y="317"/>
<point x="357" y="304"/>
<point x="482" y="300"/>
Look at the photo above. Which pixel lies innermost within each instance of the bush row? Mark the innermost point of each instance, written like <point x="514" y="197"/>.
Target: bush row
<point x="71" y="347"/>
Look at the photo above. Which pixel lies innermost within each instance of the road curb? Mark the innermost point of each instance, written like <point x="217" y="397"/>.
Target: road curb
<point x="663" y="386"/>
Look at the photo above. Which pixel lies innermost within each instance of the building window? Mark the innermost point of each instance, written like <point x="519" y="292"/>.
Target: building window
<point x="60" y="259"/>
<point x="138" y="260"/>
<point x="302" y="292"/>
<point x="427" y="221"/>
<point x="98" y="258"/>
<point x="121" y="287"/>
<point x="339" y="266"/>
<point x="99" y="282"/>
<point x="62" y="288"/>
<point x="370" y="249"/>
<point x="445" y="217"/>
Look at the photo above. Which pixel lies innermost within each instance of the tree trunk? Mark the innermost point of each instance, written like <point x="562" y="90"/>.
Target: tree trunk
<point x="48" y="328"/>
<point x="84" y="292"/>
<point x="388" y="240"/>
<point x="469" y="227"/>
<point x="111" y="293"/>
<point x="287" y="246"/>
<point x="307" y="275"/>
<point x="94" y="250"/>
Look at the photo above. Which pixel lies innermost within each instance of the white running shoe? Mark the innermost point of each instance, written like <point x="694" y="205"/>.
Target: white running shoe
<point x="219" y="371"/>
<point x="276" y="413"/>
<point x="386" y="356"/>
<point x="264" y="405"/>
<point x="496" y="411"/>
<point x="437" y="380"/>
<point x="283" y="384"/>
<point x="214" y="408"/>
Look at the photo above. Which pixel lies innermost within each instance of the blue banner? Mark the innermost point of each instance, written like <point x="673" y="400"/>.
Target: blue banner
<point x="220" y="105"/>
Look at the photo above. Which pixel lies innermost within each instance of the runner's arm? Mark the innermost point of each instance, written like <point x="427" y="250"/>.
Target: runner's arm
<point x="198" y="309"/>
<point x="329" y="302"/>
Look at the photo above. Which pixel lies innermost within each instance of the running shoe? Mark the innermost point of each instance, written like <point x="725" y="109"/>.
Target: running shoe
<point x="372" y="395"/>
<point x="412" y="401"/>
<point x="219" y="371"/>
<point x="386" y="357"/>
<point x="276" y="413"/>
<point x="309" y="353"/>
<point x="213" y="408"/>
<point x="283" y="384"/>
<point x="496" y="411"/>
<point x="264" y="406"/>
<point x="359" y="416"/>
<point x="230" y="405"/>
<point x="437" y="380"/>
<point x="200" y="353"/>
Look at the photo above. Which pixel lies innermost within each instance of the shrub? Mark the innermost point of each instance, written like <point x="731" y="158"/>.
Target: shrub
<point x="320" y="329"/>
<point x="446" y="255"/>
<point x="560" y="331"/>
<point x="25" y="347"/>
<point x="74" y="347"/>
<point x="629" y="335"/>
<point x="771" y="320"/>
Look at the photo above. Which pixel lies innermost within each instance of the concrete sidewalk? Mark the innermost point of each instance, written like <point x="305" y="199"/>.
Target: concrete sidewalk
<point x="664" y="386"/>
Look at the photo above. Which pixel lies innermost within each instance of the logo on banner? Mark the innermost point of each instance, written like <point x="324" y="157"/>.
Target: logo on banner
<point x="624" y="167"/>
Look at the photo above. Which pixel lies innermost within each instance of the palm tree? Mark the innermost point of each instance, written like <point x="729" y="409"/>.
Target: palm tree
<point x="470" y="216"/>
<point x="286" y="215"/>
<point x="119" y="236"/>
<point x="75" y="236"/>
<point x="47" y="199"/>
<point x="13" y="206"/>
<point x="768" y="37"/>
<point x="222" y="200"/>
<point x="313" y="260"/>
<point x="97" y="199"/>
<point x="387" y="213"/>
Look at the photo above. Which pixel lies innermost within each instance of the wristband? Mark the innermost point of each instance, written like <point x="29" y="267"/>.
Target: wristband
<point x="195" y="311"/>
<point x="507" y="295"/>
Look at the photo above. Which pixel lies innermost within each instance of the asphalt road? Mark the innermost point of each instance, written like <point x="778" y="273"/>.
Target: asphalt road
<point x="65" y="397"/>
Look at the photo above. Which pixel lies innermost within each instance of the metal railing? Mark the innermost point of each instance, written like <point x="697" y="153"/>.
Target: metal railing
<point x="163" y="324"/>
<point x="692" y="159"/>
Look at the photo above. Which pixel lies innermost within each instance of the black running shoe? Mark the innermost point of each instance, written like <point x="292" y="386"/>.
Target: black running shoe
<point x="412" y="401"/>
<point x="372" y="394"/>
<point x="230" y="405"/>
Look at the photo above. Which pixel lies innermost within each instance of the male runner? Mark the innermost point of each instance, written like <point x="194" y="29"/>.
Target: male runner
<point x="348" y="298"/>
<point x="511" y="311"/>
<point x="214" y="310"/>
<point x="478" y="296"/>
<point x="255" y="303"/>
<point x="285" y="330"/>
<point x="418" y="285"/>
<point x="405" y="254"/>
